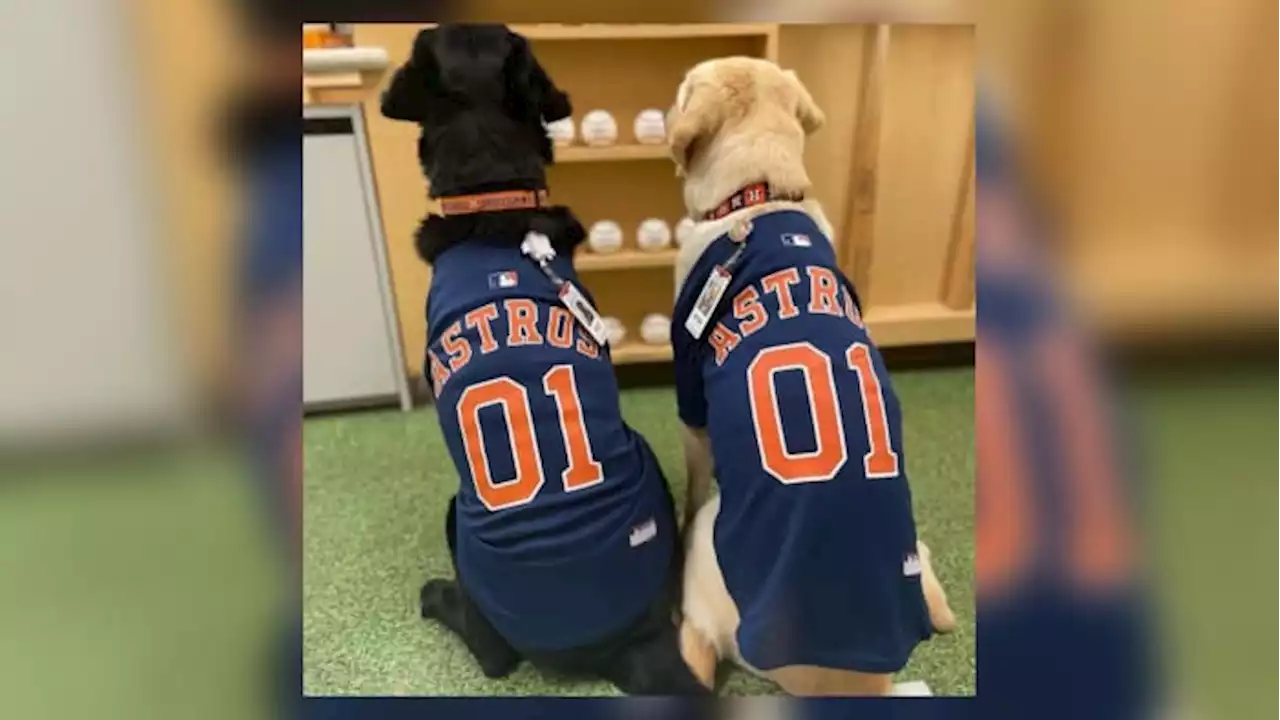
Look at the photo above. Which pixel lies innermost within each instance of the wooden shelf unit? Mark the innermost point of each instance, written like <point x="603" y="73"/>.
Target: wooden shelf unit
<point x="639" y="352"/>
<point x="587" y="261"/>
<point x="893" y="168"/>
<point x="625" y="69"/>
<point x="341" y="76"/>
<point x="594" y="31"/>
<point x="613" y="153"/>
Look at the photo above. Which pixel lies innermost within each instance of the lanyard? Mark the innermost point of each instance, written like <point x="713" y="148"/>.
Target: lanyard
<point x="537" y="247"/>
<point x="713" y="290"/>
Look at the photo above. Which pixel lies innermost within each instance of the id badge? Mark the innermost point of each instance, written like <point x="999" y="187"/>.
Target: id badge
<point x="714" y="289"/>
<point x="585" y="313"/>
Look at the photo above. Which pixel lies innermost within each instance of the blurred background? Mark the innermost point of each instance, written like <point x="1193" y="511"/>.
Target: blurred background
<point x="145" y="534"/>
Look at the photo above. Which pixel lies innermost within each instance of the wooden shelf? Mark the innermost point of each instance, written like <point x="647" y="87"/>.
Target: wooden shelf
<point x="624" y="259"/>
<point x="341" y="75"/>
<point x="637" y="352"/>
<point x="557" y="31"/>
<point x="613" y="153"/>
<point x="925" y="323"/>
<point x="332" y="80"/>
<point x="354" y="59"/>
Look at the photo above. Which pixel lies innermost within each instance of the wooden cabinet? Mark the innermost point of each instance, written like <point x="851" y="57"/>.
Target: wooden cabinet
<point x="625" y="69"/>
<point x="893" y="167"/>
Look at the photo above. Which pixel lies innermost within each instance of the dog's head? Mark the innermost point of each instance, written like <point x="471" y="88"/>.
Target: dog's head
<point x="739" y="120"/>
<point x="481" y="98"/>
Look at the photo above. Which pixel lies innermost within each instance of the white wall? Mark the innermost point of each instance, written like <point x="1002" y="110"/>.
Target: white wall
<point x="84" y="342"/>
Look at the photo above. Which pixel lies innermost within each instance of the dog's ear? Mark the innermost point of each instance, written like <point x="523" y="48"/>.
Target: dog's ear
<point x="524" y="72"/>
<point x="807" y="111"/>
<point x="408" y="95"/>
<point x="695" y="118"/>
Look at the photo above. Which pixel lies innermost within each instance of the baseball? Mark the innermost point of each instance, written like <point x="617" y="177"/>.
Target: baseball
<point x="599" y="128"/>
<point x="650" y="127"/>
<point x="653" y="234"/>
<point x="655" y="329"/>
<point x="683" y="229"/>
<point x="605" y="236"/>
<point x="561" y="132"/>
<point x="616" y="331"/>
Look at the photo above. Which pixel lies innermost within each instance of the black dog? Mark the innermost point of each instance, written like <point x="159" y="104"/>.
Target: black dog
<point x="563" y="532"/>
<point x="481" y="97"/>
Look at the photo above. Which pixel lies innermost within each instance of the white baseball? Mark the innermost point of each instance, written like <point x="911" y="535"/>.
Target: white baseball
<point x="683" y="229"/>
<point x="561" y="131"/>
<point x="605" y="236"/>
<point x="653" y="234"/>
<point x="655" y="329"/>
<point x="650" y="127"/>
<point x="616" y="331"/>
<point x="599" y="128"/>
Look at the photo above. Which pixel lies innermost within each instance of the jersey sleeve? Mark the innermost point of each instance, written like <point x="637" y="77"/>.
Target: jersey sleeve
<point x="690" y="352"/>
<point x="690" y="399"/>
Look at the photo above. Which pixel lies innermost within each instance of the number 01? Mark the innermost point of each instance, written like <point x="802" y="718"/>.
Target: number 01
<point x="831" y="451"/>
<point x="560" y="383"/>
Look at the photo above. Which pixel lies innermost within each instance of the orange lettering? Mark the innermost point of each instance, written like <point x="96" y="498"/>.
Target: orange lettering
<point x="851" y="310"/>
<point x="522" y="318"/>
<point x="747" y="307"/>
<point x="560" y="328"/>
<point x="584" y="470"/>
<point x="459" y="349"/>
<point x="822" y="292"/>
<point x="480" y="319"/>
<point x="779" y="283"/>
<point x="723" y="340"/>
<point x="1005" y="534"/>
<point x="514" y="401"/>
<point x="824" y="461"/>
<point x="881" y="460"/>
<point x="438" y="373"/>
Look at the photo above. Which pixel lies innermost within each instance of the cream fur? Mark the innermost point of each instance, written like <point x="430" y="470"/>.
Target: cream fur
<point x="704" y="233"/>
<point x="708" y="606"/>
<point x="711" y="611"/>
<point x="737" y="121"/>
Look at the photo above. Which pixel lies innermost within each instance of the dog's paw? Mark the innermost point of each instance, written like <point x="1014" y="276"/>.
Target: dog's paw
<point x="941" y="616"/>
<point x="439" y="599"/>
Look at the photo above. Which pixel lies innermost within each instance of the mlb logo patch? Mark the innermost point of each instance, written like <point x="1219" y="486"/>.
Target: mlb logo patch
<point x="504" y="279"/>
<point x="796" y="240"/>
<point x="644" y="532"/>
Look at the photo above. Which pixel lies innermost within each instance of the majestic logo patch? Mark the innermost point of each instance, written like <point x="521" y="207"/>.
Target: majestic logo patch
<point x="911" y="566"/>
<point x="504" y="279"/>
<point x="644" y="532"/>
<point x="796" y="240"/>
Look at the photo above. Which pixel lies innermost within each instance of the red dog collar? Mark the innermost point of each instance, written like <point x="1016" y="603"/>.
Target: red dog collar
<point x="753" y="194"/>
<point x="494" y="201"/>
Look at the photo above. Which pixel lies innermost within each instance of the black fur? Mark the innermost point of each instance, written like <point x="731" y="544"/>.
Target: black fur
<point x="481" y="97"/>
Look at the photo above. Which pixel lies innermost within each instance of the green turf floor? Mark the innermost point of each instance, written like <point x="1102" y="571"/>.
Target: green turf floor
<point x="375" y="493"/>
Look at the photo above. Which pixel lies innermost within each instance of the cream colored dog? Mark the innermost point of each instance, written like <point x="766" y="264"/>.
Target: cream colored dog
<point x="738" y="121"/>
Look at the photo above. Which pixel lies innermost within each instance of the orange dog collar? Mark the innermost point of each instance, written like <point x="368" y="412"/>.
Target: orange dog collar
<point x="493" y="202"/>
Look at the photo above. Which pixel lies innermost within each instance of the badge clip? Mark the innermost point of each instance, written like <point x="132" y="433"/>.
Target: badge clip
<point x="537" y="247"/>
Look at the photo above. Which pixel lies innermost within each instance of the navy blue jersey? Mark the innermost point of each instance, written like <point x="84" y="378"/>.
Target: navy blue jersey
<point x="1058" y="490"/>
<point x="565" y="531"/>
<point x="815" y="534"/>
